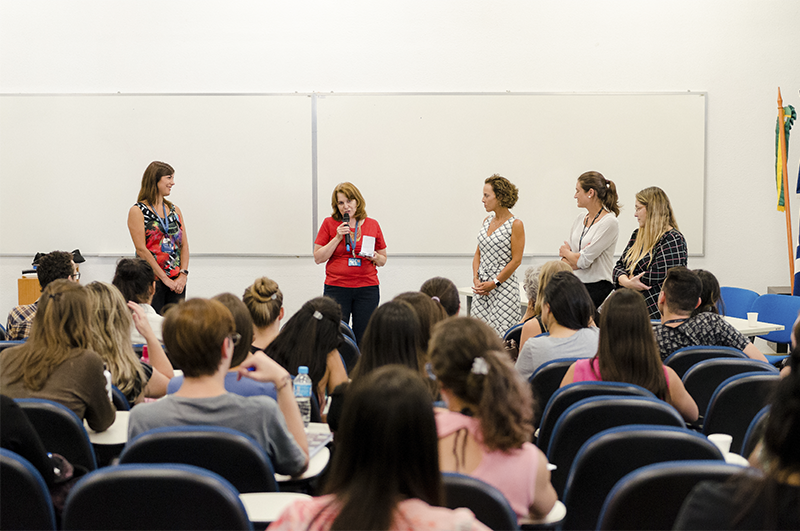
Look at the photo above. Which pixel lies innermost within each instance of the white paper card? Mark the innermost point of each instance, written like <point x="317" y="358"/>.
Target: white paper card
<point x="367" y="246"/>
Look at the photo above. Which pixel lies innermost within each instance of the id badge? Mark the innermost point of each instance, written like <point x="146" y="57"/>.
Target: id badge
<point x="354" y="262"/>
<point x="166" y="245"/>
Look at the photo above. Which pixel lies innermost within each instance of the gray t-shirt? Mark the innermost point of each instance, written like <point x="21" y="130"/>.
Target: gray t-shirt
<point x="539" y="350"/>
<point x="258" y="417"/>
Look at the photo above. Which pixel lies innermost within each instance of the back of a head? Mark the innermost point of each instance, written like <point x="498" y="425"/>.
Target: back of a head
<point x="429" y="312"/>
<point x="627" y="348"/>
<point x="710" y="295"/>
<point x="546" y="272"/>
<point x="194" y="332"/>
<point x="530" y="283"/>
<point x="682" y="289"/>
<point x="386" y="449"/>
<point x="54" y="266"/>
<point x="393" y="336"/>
<point x="307" y="338"/>
<point x="468" y="360"/>
<point x="244" y="325"/>
<point x="134" y="279"/>
<point x="264" y="300"/>
<point x="446" y="291"/>
<point x="568" y="300"/>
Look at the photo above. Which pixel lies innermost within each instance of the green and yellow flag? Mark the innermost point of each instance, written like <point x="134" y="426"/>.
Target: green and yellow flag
<point x="787" y="116"/>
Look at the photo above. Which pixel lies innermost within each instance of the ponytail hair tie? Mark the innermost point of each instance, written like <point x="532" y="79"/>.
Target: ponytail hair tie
<point x="479" y="366"/>
<point x="317" y="315"/>
<point x="435" y="298"/>
<point x="274" y="296"/>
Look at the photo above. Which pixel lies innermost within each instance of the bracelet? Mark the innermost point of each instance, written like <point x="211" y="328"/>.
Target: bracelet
<point x="286" y="381"/>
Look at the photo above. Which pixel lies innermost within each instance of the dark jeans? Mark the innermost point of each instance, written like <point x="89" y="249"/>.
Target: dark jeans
<point x="165" y="296"/>
<point x="598" y="291"/>
<point x="358" y="302"/>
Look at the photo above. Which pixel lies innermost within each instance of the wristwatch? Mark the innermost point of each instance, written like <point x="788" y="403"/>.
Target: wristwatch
<point x="185" y="272"/>
<point x="497" y="283"/>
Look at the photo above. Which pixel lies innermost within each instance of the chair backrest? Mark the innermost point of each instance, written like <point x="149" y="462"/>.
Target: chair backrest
<point x="229" y="453"/>
<point x="119" y="400"/>
<point x="703" y="378"/>
<point x="572" y="393"/>
<point x="682" y="359"/>
<point x="777" y="309"/>
<point x="61" y="430"/>
<point x="754" y="432"/>
<point x="346" y="331"/>
<point x="154" y="497"/>
<point x="488" y="503"/>
<point x="545" y="381"/>
<point x="611" y="454"/>
<point x="511" y="339"/>
<point x="24" y="496"/>
<point x="737" y="301"/>
<point x="349" y="352"/>
<point x="10" y="343"/>
<point x="592" y="415"/>
<point x="736" y="402"/>
<point x="650" y="497"/>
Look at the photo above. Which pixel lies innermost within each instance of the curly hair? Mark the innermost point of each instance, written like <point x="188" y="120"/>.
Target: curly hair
<point x="505" y="192"/>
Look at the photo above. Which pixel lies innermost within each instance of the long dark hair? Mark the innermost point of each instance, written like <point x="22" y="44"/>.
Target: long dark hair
<point x="627" y="350"/>
<point x="710" y="296"/>
<point x="428" y="310"/>
<point x="386" y="449"/>
<point x="570" y="303"/>
<point x="499" y="398"/>
<point x="392" y="336"/>
<point x="134" y="279"/>
<point x="307" y="338"/>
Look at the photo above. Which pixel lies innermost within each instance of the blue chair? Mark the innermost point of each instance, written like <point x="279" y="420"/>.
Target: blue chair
<point x="682" y="359"/>
<point x="119" y="400"/>
<point x="611" y="454"/>
<point x="572" y="393"/>
<point x="24" y="496"/>
<point x="736" y="402"/>
<point x="592" y="415"/>
<point x="229" y="453"/>
<point x="703" y="378"/>
<point x="651" y="497"/>
<point x="737" y="301"/>
<point x="511" y="339"/>
<point x="777" y="309"/>
<point x="754" y="432"/>
<point x="9" y="343"/>
<point x="177" y="497"/>
<point x="485" y="501"/>
<point x="545" y="381"/>
<point x="61" y="431"/>
<point x="349" y="352"/>
<point x="346" y="331"/>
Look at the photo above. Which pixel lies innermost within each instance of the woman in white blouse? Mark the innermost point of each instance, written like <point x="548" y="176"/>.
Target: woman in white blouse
<point x="590" y="249"/>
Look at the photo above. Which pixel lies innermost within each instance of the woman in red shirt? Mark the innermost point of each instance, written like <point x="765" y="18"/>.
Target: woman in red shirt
<point x="353" y="247"/>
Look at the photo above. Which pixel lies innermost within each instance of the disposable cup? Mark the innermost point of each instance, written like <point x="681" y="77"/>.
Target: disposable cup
<point x="722" y="441"/>
<point x="752" y="317"/>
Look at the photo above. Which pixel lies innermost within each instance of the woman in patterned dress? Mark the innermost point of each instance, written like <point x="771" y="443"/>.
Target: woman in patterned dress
<point x="654" y="248"/>
<point x="501" y="242"/>
<point x="158" y="231"/>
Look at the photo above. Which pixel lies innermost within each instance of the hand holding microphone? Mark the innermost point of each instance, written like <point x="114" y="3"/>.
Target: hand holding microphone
<point x="347" y="240"/>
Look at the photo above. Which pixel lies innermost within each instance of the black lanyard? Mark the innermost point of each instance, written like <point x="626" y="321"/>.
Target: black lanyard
<point x="586" y="229"/>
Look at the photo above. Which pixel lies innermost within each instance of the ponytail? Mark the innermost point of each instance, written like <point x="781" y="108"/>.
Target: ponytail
<point x="606" y="190"/>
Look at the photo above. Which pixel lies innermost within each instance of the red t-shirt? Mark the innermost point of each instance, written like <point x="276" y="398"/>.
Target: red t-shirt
<point x="337" y="271"/>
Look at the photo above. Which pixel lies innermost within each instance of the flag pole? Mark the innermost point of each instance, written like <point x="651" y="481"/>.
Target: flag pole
<point x="787" y="210"/>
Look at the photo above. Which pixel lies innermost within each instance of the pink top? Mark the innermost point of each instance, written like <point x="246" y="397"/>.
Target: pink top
<point x="588" y="370"/>
<point x="513" y="473"/>
<point x="317" y="514"/>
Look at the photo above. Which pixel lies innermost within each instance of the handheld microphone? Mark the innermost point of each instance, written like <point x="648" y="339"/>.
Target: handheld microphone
<point x="348" y="242"/>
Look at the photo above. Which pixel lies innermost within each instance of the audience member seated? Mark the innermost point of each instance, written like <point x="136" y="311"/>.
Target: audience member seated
<point x="567" y="311"/>
<point x="751" y="501"/>
<point x="200" y="334"/>
<point x="311" y="337"/>
<point x="429" y="310"/>
<point x="535" y="326"/>
<point x="385" y="471"/>
<point x="52" y="266"/>
<point x="486" y="428"/>
<point x="241" y="351"/>
<point x="111" y="327"/>
<point x="392" y="336"/>
<point x="445" y="291"/>
<point x="56" y="362"/>
<point x="679" y="296"/>
<point x="135" y="279"/>
<point x="710" y="295"/>
<point x="627" y="352"/>
<point x="264" y="301"/>
<point x="18" y="435"/>
<point x="530" y="284"/>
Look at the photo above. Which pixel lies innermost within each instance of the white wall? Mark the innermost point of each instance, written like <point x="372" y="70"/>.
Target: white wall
<point x="739" y="51"/>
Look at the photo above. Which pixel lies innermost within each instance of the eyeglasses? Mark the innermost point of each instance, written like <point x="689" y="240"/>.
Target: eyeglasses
<point x="235" y="338"/>
<point x="76" y="275"/>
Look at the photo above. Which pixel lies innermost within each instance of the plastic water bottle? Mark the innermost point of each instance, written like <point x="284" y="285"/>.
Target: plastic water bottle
<point x="302" y="393"/>
<point x="107" y="374"/>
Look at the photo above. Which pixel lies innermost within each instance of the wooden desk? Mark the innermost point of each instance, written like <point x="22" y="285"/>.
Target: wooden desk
<point x="28" y="290"/>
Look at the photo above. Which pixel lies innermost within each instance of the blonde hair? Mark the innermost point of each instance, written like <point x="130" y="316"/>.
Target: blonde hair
<point x="111" y="336"/>
<point x="264" y="300"/>
<point x="60" y="331"/>
<point x="548" y="269"/>
<point x="660" y="218"/>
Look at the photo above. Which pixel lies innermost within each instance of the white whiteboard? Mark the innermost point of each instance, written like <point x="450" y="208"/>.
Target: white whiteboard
<point x="421" y="160"/>
<point x="71" y="167"/>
